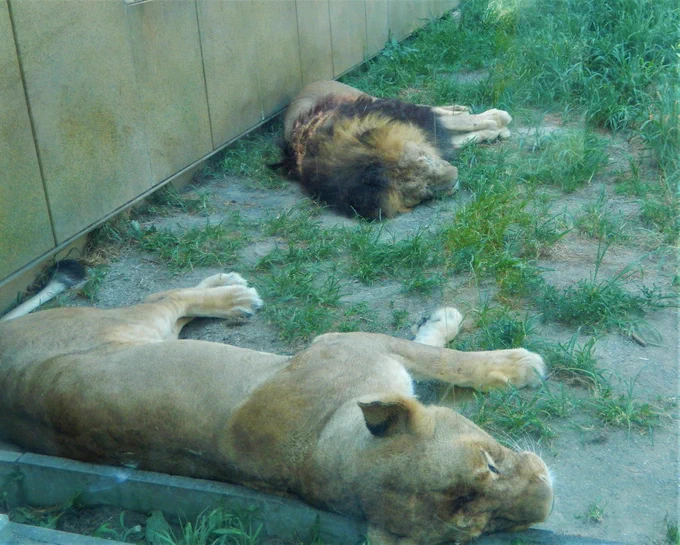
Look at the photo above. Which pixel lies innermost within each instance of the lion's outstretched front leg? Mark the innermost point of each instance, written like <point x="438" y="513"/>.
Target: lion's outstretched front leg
<point x="480" y="370"/>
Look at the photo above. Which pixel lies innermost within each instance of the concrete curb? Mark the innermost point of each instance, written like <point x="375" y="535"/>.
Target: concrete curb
<point x="12" y="533"/>
<point x="34" y="479"/>
<point x="38" y="480"/>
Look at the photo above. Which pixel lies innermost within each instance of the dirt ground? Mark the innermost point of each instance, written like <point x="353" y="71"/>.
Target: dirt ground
<point x="631" y="476"/>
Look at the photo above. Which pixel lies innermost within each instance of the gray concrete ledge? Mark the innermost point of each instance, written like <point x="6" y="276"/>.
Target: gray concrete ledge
<point x="12" y="533"/>
<point x="37" y="480"/>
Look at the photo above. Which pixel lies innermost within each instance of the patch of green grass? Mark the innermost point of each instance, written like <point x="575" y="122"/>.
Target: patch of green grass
<point x="375" y="255"/>
<point x="421" y="67"/>
<point x="659" y="199"/>
<point x="661" y="130"/>
<point x="672" y="535"/>
<point x="206" y="246"/>
<point x="118" y="532"/>
<point x="250" y="156"/>
<point x="661" y="210"/>
<point x="476" y="237"/>
<point x="400" y="316"/>
<point x="595" y="512"/>
<point x="600" y="222"/>
<point x="168" y="199"/>
<point x="623" y="410"/>
<point x="357" y="317"/>
<point x="503" y="229"/>
<point x="565" y="159"/>
<point x="603" y="305"/>
<point x="496" y="235"/>
<point x="511" y="415"/>
<point x="215" y="527"/>
<point x="303" y="299"/>
<point x="298" y="223"/>
<point x="496" y="328"/>
<point x="95" y="279"/>
<point x="570" y="361"/>
<point x="303" y="237"/>
<point x="45" y="517"/>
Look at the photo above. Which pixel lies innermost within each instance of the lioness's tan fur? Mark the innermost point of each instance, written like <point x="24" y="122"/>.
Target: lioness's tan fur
<point x="336" y="425"/>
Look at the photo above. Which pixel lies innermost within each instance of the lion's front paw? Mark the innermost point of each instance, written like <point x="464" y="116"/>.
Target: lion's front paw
<point x="519" y="368"/>
<point x="244" y="301"/>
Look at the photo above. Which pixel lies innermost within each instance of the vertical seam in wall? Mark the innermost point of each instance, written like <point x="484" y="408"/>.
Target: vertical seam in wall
<point x="366" y="54"/>
<point x="330" y="29"/>
<point x="139" y="100"/>
<point x="31" y="122"/>
<point x="258" y="77"/>
<point x="205" y="78"/>
<point x="297" y="26"/>
<point x="387" y="17"/>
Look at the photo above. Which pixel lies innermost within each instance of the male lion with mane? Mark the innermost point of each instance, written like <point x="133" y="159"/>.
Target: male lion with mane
<point x="336" y="425"/>
<point x="377" y="157"/>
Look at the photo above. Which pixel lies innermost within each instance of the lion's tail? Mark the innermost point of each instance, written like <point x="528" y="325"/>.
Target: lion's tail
<point x="65" y="274"/>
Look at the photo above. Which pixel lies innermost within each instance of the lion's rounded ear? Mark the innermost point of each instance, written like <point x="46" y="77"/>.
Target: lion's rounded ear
<point x="392" y="415"/>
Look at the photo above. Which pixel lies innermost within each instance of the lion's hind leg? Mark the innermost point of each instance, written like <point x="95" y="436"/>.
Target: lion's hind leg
<point x="426" y="359"/>
<point x="466" y="127"/>
<point x="453" y="109"/>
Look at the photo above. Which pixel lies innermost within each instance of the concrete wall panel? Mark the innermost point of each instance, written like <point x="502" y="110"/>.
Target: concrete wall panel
<point x="169" y="71"/>
<point x="348" y="33"/>
<point x="377" y="25"/>
<point x="440" y="7"/>
<point x="81" y="90"/>
<point x="405" y="16"/>
<point x="314" y="31"/>
<point x="230" y="52"/>
<point x="25" y="231"/>
<point x="278" y="64"/>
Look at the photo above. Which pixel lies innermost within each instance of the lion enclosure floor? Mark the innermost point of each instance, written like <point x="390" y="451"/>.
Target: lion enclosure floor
<point x="612" y="446"/>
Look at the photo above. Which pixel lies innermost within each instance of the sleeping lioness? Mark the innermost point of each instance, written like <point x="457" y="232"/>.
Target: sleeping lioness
<point x="377" y="157"/>
<point x="336" y="425"/>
